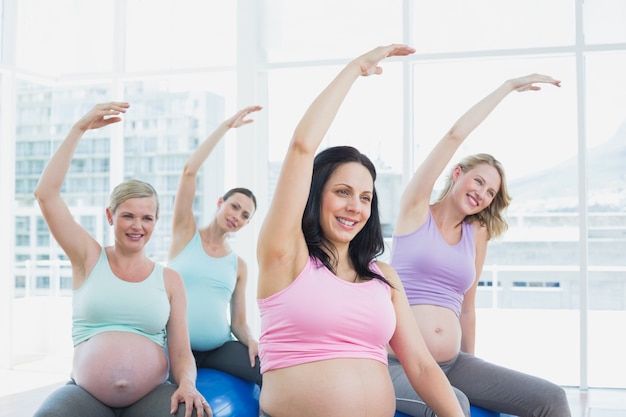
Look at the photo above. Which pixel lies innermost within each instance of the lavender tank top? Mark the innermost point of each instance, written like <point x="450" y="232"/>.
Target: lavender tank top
<point x="433" y="271"/>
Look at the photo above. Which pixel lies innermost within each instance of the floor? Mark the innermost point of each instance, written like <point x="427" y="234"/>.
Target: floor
<point x="23" y="389"/>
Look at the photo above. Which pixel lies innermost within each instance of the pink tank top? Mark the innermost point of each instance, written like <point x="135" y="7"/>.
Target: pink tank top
<point x="320" y="316"/>
<point x="433" y="271"/>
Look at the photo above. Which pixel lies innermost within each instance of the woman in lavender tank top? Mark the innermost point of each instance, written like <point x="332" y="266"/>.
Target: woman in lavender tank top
<point x="476" y="195"/>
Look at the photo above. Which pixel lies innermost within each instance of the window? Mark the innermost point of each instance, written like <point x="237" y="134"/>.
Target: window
<point x="177" y="63"/>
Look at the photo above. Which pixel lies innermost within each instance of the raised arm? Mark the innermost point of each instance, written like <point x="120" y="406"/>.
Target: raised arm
<point x="282" y="250"/>
<point x="416" y="196"/>
<point x="183" y="223"/>
<point x="75" y="241"/>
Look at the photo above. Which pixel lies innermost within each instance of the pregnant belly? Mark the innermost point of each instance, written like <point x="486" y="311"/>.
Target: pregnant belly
<point x="441" y="330"/>
<point x="119" y="368"/>
<point x="329" y="388"/>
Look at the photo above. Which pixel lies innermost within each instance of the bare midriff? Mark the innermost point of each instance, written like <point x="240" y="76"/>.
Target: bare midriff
<point x="441" y="330"/>
<point x="329" y="388"/>
<point x="119" y="368"/>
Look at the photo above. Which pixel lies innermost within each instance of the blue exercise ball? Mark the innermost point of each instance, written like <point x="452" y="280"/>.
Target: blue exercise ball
<point x="228" y="395"/>
<point x="481" y="412"/>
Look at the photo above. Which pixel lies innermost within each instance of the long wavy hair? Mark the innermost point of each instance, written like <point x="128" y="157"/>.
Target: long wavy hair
<point x="368" y="243"/>
<point x="492" y="216"/>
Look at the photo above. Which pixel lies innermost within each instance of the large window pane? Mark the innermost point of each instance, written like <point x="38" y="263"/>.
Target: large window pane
<point x="606" y="132"/>
<point x="370" y="119"/>
<point x="167" y="34"/>
<point x="605" y="21"/>
<point x="64" y="37"/>
<point x="526" y="288"/>
<point x="329" y="29"/>
<point x="459" y="25"/>
<point x="169" y="117"/>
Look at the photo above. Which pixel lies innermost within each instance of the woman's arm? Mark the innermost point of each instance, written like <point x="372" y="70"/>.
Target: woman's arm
<point x="424" y="373"/>
<point x="182" y="362"/>
<point x="282" y="250"/>
<point x="239" y="321"/>
<point x="76" y="242"/>
<point x="183" y="222"/>
<point x="416" y="196"/>
<point x="468" y="308"/>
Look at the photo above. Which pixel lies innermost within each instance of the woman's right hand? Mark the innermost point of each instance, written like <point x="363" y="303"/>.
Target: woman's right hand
<point x="102" y="114"/>
<point x="368" y="62"/>
<point x="527" y="83"/>
<point x="239" y="118"/>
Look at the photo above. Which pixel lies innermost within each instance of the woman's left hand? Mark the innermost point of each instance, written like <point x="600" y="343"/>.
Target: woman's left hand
<point x="188" y="394"/>
<point x="253" y="351"/>
<point x="368" y="62"/>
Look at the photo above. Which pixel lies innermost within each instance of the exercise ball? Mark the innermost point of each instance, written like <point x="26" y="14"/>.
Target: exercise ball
<point x="228" y="395"/>
<point x="481" y="412"/>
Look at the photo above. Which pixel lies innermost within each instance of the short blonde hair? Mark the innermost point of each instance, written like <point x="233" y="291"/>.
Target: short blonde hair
<point x="132" y="189"/>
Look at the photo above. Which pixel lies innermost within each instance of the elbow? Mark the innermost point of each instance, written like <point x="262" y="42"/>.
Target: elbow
<point x="301" y="145"/>
<point x="40" y="194"/>
<point x="189" y="172"/>
<point x="456" y="135"/>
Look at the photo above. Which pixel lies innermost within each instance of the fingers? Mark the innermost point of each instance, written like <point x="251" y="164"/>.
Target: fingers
<point x="113" y="107"/>
<point x="252" y="109"/>
<point x="528" y="82"/>
<point x="368" y="62"/>
<point x="400" y="50"/>
<point x="206" y="408"/>
<point x="239" y="119"/>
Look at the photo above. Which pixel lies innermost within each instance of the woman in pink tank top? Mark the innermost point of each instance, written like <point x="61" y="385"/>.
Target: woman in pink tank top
<point x="323" y="231"/>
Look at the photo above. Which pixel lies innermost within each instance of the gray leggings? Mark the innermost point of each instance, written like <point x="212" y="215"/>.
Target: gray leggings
<point x="73" y="401"/>
<point x="485" y="385"/>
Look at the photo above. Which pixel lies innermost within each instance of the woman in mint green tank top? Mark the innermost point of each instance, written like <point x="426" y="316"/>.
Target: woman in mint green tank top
<point x="124" y="304"/>
<point x="215" y="276"/>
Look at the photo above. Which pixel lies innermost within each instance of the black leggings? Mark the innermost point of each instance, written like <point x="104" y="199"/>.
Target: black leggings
<point x="232" y="358"/>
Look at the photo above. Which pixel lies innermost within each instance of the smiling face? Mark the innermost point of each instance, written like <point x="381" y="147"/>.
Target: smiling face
<point x="346" y="202"/>
<point x="475" y="189"/>
<point x="234" y="212"/>
<point x="133" y="221"/>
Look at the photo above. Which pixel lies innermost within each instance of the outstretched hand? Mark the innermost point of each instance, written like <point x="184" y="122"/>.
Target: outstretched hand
<point x="102" y="115"/>
<point x="239" y="118"/>
<point x="527" y="83"/>
<point x="368" y="62"/>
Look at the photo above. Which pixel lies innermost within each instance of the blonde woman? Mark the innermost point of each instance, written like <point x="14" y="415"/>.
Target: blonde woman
<point x="124" y="304"/>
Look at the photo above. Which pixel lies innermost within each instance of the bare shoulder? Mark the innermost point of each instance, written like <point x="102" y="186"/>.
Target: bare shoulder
<point x="241" y="263"/>
<point x="389" y="273"/>
<point x="481" y="233"/>
<point x="173" y="281"/>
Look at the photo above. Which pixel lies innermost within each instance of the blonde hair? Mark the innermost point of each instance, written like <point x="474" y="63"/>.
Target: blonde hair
<point x="492" y="216"/>
<point x="132" y="189"/>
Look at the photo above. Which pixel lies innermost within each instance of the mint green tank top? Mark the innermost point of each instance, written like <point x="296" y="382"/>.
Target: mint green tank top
<point x="105" y="303"/>
<point x="209" y="285"/>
